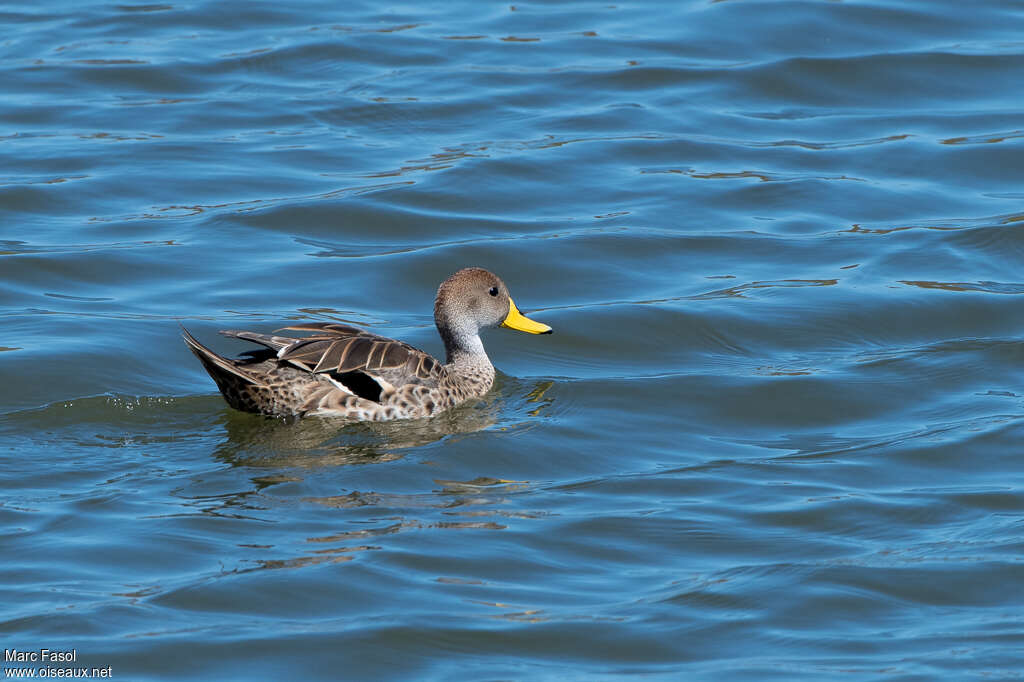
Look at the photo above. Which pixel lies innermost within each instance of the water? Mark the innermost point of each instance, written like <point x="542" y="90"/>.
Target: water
<point x="776" y="434"/>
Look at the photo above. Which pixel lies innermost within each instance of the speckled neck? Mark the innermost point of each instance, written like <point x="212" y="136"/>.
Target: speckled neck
<point x="461" y="344"/>
<point x="470" y="374"/>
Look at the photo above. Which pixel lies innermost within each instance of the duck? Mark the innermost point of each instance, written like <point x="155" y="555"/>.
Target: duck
<point x="344" y="371"/>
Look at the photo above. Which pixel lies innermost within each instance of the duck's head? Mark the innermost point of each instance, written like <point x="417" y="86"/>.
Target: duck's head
<point x="473" y="299"/>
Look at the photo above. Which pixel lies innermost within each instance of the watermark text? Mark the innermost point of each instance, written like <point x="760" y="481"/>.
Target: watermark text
<point x="48" y="664"/>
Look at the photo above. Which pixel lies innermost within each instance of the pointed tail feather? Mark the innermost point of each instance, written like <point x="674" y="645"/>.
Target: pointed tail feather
<point x="216" y="365"/>
<point x="274" y="343"/>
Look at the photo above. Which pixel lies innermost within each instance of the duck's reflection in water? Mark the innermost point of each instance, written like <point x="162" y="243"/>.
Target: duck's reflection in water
<point x="308" y="453"/>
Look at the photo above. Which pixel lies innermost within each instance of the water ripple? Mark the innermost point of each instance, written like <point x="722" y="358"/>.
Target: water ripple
<point x="774" y="435"/>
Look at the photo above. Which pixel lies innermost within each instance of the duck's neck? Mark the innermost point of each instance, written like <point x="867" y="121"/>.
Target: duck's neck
<point x="469" y="369"/>
<point x="470" y="353"/>
<point x="467" y="363"/>
<point x="465" y="349"/>
<point x="462" y="345"/>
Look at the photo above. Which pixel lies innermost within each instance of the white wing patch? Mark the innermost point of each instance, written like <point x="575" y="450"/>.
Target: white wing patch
<point x="385" y="387"/>
<point x="337" y="384"/>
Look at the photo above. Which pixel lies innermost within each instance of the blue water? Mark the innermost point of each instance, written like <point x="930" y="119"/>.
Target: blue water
<point x="775" y="435"/>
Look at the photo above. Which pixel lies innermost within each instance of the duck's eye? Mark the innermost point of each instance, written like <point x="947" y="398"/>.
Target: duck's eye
<point x="493" y="291"/>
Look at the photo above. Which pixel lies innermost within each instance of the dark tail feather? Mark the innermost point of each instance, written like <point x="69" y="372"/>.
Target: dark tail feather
<point x="220" y="368"/>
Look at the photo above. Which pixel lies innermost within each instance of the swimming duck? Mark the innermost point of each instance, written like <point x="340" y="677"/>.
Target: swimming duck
<point x="344" y="371"/>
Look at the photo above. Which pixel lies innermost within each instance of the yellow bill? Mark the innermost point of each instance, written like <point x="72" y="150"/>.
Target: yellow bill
<point x="516" y="320"/>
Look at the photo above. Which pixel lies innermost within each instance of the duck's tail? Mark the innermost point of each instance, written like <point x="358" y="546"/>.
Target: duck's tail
<point x="218" y="366"/>
<point x="240" y="387"/>
<point x="258" y="382"/>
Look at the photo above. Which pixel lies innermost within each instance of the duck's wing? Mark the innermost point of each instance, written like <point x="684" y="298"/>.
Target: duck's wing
<point x="339" y="350"/>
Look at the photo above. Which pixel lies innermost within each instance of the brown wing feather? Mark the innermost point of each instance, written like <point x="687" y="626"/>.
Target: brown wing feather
<point x="341" y="348"/>
<point x="272" y="342"/>
<point x="326" y="328"/>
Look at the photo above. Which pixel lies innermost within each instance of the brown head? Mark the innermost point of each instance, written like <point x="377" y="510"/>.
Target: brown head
<point x="473" y="299"/>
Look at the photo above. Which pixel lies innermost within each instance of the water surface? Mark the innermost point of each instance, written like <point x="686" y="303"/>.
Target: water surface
<point x="774" y="436"/>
